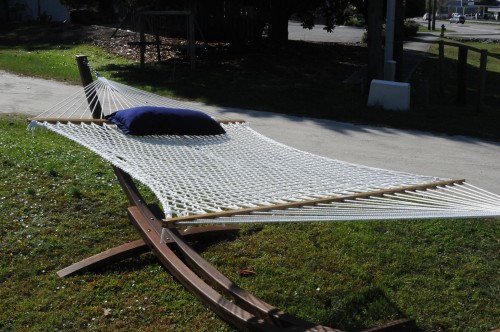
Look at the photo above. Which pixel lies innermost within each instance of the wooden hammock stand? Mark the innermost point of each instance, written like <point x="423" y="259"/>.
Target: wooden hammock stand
<point x="230" y="302"/>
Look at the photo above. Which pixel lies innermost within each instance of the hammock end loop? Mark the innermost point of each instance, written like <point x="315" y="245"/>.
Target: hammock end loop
<point x="33" y="125"/>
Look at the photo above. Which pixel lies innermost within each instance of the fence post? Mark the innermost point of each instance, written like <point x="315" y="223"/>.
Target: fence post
<point x="441" y="66"/>
<point x="142" y="39"/>
<point x="462" y="75"/>
<point x="191" y="41"/>
<point x="482" y="80"/>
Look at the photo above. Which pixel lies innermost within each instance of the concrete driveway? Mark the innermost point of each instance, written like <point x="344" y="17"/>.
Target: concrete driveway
<point x="477" y="161"/>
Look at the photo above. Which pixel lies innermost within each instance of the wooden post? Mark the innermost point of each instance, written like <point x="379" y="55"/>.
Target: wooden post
<point x="86" y="77"/>
<point x="191" y="41"/>
<point x="399" y="40"/>
<point x="158" y="42"/>
<point x="375" y="8"/>
<point x="482" y="80"/>
<point x="433" y="15"/>
<point x="441" y="67"/>
<point x="142" y="39"/>
<point x="462" y="75"/>
<point x="429" y="11"/>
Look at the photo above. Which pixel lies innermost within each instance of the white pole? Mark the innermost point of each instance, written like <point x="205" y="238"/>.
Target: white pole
<point x="390" y="64"/>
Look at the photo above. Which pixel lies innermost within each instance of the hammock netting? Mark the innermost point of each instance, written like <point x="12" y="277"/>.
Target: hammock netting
<point x="244" y="171"/>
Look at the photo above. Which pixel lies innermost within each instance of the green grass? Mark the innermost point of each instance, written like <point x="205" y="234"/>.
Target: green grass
<point x="49" y="52"/>
<point x="352" y="275"/>
<point x="56" y="63"/>
<point x="443" y="109"/>
<point x="53" y="215"/>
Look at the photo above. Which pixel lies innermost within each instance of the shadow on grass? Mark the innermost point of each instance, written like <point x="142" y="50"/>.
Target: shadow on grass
<point x="439" y="105"/>
<point x="42" y="36"/>
<point x="371" y="302"/>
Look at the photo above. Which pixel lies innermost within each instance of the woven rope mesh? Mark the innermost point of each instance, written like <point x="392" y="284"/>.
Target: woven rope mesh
<point x="194" y="175"/>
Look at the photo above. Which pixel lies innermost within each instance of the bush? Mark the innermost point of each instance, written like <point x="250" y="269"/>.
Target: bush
<point x="355" y="20"/>
<point x="410" y="29"/>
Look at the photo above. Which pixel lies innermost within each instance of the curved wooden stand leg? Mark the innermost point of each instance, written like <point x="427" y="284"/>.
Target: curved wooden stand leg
<point x="109" y="256"/>
<point x="136" y="248"/>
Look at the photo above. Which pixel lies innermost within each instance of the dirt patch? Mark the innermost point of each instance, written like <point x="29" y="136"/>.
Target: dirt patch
<point x="122" y="43"/>
<point x="292" y="54"/>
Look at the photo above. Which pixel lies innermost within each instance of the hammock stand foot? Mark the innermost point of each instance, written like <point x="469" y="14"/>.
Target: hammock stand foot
<point x="136" y="248"/>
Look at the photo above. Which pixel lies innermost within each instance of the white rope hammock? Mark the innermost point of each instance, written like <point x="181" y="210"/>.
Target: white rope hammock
<point x="243" y="176"/>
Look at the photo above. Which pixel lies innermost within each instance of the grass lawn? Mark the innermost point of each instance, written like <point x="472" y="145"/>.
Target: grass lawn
<point x="59" y="203"/>
<point x="351" y="275"/>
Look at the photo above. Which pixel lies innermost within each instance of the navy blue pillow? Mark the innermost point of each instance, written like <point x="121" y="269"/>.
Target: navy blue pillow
<point x="152" y="120"/>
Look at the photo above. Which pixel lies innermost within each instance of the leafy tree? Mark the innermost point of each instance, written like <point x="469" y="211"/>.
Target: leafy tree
<point x="101" y="6"/>
<point x="415" y="8"/>
<point x="4" y="11"/>
<point x="275" y="12"/>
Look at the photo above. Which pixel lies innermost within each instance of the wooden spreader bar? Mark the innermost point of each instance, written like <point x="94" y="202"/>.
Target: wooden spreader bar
<point x="104" y="121"/>
<point x="229" y="213"/>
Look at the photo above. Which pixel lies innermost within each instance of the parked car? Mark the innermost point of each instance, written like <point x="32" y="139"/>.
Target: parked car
<point x="457" y="18"/>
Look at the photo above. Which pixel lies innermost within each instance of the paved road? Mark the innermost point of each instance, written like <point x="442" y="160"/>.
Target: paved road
<point x="346" y="34"/>
<point x="341" y="34"/>
<point x="408" y="151"/>
<point x="473" y="30"/>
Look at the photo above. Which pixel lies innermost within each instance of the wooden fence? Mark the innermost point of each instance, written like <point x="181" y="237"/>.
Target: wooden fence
<point x="463" y="51"/>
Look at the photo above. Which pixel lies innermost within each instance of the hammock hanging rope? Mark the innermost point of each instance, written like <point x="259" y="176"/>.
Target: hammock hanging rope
<point x="243" y="176"/>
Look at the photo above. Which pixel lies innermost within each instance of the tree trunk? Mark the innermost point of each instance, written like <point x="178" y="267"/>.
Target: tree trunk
<point x="375" y="59"/>
<point x="278" y="25"/>
<point x="4" y="12"/>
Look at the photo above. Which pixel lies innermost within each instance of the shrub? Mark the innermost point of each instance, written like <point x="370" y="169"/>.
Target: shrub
<point x="410" y="29"/>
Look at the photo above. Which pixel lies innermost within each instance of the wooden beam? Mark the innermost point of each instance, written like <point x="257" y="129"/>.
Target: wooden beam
<point x="462" y="75"/>
<point x="104" y="258"/>
<point x="104" y="121"/>
<point x="138" y="247"/>
<point x="91" y="94"/>
<point x="482" y="80"/>
<point x="66" y="120"/>
<point x="441" y="66"/>
<point x="229" y="213"/>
